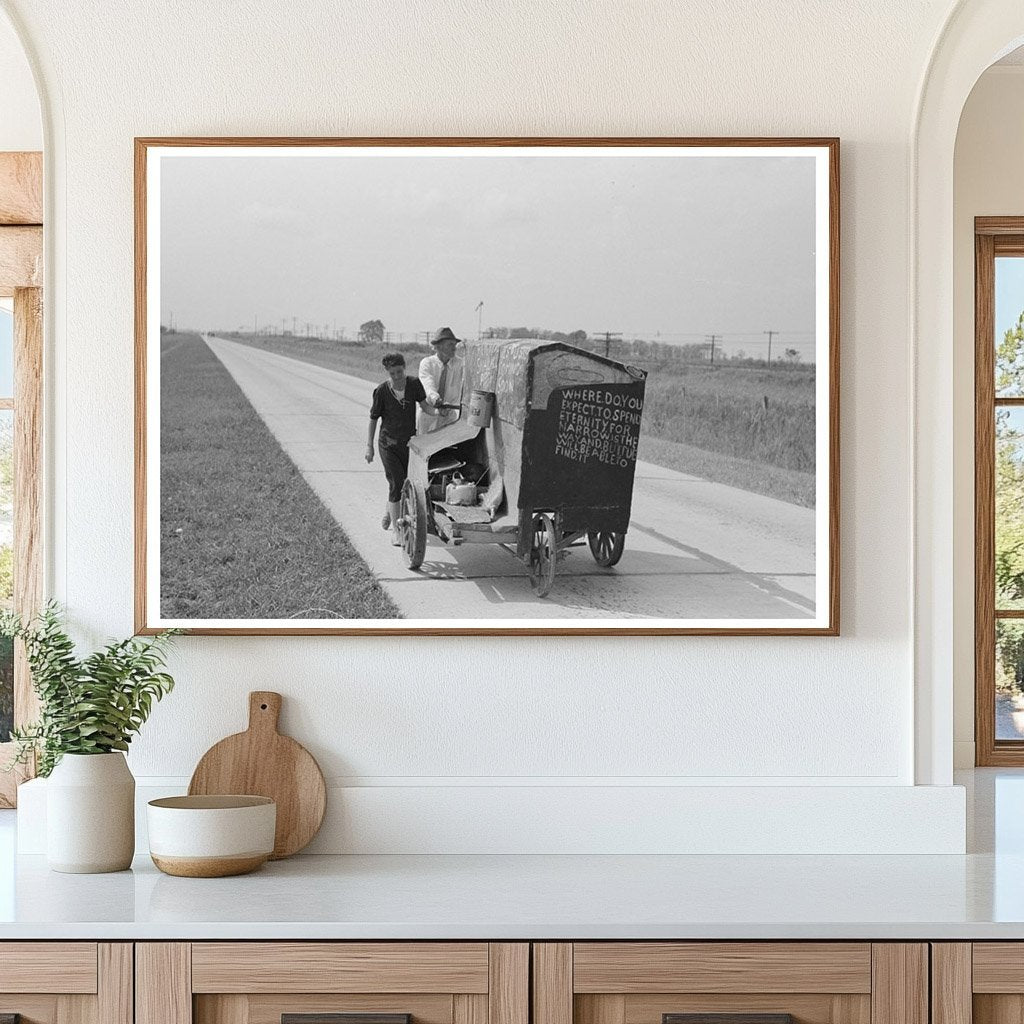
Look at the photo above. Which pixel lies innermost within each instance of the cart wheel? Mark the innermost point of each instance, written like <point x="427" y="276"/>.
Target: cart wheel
<point x="606" y="546"/>
<point x="413" y="524"/>
<point x="543" y="555"/>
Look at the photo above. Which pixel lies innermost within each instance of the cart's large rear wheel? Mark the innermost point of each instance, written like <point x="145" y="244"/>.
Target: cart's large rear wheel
<point x="606" y="546"/>
<point x="543" y="555"/>
<point x="413" y="524"/>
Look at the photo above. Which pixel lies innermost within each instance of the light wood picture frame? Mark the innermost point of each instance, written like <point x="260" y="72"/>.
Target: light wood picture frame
<point x="644" y="433"/>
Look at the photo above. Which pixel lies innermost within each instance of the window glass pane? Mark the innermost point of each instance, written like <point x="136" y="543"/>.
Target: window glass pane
<point x="6" y="353"/>
<point x="1009" y="327"/>
<point x="1009" y="679"/>
<point x="6" y="567"/>
<point x="1009" y="533"/>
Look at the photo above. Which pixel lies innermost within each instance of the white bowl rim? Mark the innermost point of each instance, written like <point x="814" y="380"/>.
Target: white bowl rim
<point x="212" y="802"/>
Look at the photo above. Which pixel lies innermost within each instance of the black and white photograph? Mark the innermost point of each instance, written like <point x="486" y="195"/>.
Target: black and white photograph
<point x="457" y="386"/>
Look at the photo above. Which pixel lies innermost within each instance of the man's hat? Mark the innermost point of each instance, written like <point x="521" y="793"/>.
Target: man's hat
<point x="444" y="334"/>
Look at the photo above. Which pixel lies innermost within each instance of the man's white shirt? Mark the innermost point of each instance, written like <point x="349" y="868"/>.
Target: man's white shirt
<point x="430" y="376"/>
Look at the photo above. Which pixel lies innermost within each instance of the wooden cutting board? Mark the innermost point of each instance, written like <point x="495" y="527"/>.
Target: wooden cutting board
<point x="262" y="762"/>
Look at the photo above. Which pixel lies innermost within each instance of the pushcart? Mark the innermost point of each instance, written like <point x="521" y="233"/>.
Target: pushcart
<point x="542" y="457"/>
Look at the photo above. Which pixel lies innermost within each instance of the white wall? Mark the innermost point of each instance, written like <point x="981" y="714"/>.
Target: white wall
<point x="427" y="716"/>
<point x="987" y="182"/>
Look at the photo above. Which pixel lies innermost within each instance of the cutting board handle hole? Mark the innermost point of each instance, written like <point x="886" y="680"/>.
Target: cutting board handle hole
<point x="263" y="707"/>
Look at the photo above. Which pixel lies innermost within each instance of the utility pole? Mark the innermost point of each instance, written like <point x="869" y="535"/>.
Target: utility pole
<point x="608" y="335"/>
<point x="771" y="334"/>
<point x="713" y="338"/>
<point x="294" y="318"/>
<point x="255" y="329"/>
<point x="479" y="319"/>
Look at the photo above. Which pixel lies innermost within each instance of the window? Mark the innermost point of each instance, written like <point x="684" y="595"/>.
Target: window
<point x="21" y="364"/>
<point x="999" y="490"/>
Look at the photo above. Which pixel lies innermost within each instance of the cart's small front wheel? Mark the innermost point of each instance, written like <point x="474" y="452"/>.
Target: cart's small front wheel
<point x="606" y="546"/>
<point x="543" y="555"/>
<point x="413" y="524"/>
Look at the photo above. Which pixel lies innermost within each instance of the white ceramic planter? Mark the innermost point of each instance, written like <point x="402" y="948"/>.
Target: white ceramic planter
<point x="90" y="814"/>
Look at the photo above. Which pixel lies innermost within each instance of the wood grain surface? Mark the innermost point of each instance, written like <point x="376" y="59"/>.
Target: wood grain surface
<point x="899" y="972"/>
<point x="21" y="258"/>
<point x="951" y="983"/>
<point x="21" y="188"/>
<point x="552" y="983"/>
<point x="508" y="992"/>
<point x="469" y="1008"/>
<point x="998" y="967"/>
<point x="304" y="967"/>
<point x="806" y="1008"/>
<point x="65" y="967"/>
<point x="28" y="483"/>
<point x="630" y="967"/>
<point x="163" y="983"/>
<point x="115" y="983"/>
<point x="262" y="762"/>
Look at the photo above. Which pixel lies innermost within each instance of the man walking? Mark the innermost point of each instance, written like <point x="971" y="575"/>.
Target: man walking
<point x="441" y="375"/>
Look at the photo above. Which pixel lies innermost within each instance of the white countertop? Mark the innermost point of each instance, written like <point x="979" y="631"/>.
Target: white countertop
<point x="976" y="896"/>
<point x="517" y="897"/>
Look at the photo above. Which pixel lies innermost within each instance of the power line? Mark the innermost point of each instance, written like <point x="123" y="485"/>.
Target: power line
<point x="713" y="338"/>
<point x="608" y="335"/>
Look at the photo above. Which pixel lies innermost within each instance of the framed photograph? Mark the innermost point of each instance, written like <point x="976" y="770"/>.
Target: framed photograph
<point x="482" y="385"/>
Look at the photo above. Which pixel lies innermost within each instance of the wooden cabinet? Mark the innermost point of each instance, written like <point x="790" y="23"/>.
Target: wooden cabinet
<point x="309" y="982"/>
<point x="977" y="982"/>
<point x="494" y="983"/>
<point x="66" y="982"/>
<point x="753" y="982"/>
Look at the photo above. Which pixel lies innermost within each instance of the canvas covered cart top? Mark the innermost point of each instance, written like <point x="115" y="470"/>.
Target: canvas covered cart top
<point x="565" y="428"/>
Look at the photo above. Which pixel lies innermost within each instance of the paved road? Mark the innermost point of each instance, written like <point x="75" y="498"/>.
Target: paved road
<point x="1009" y="718"/>
<point x="695" y="549"/>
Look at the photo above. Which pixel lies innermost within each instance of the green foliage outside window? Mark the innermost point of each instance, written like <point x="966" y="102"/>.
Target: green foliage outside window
<point x="1009" y="510"/>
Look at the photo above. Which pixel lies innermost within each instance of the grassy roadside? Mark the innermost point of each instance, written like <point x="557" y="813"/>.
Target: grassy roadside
<point x="722" y="410"/>
<point x="772" y="481"/>
<point x="361" y="361"/>
<point x="242" y="534"/>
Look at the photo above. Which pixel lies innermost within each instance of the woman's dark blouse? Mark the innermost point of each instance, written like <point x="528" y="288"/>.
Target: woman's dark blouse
<point x="398" y="417"/>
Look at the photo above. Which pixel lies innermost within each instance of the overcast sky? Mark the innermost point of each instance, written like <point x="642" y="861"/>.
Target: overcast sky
<point x="637" y="244"/>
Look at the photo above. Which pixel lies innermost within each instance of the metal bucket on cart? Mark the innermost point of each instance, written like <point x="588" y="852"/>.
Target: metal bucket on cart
<point x="481" y="405"/>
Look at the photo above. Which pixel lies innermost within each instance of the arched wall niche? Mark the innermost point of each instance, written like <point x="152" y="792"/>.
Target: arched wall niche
<point x="975" y="35"/>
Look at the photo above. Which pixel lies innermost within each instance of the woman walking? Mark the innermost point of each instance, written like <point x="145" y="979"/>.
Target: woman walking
<point x="394" y="406"/>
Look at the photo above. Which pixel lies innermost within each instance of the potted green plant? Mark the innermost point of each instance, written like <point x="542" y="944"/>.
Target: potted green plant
<point x="90" y="708"/>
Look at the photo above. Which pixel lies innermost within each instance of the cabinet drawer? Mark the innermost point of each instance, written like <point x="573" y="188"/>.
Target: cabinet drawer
<point x="65" y="967"/>
<point x="340" y="967"/>
<point x="332" y="983"/>
<point x="66" y="982"/>
<point x="980" y="982"/>
<point x="633" y="967"/>
<point x="730" y="983"/>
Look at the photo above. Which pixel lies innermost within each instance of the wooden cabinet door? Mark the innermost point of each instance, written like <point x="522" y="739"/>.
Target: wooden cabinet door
<point x="978" y="983"/>
<point x="332" y="983"/>
<point x="730" y="983"/>
<point x="66" y="982"/>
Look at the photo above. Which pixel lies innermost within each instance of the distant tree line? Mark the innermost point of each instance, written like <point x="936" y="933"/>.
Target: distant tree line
<point x="578" y="338"/>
